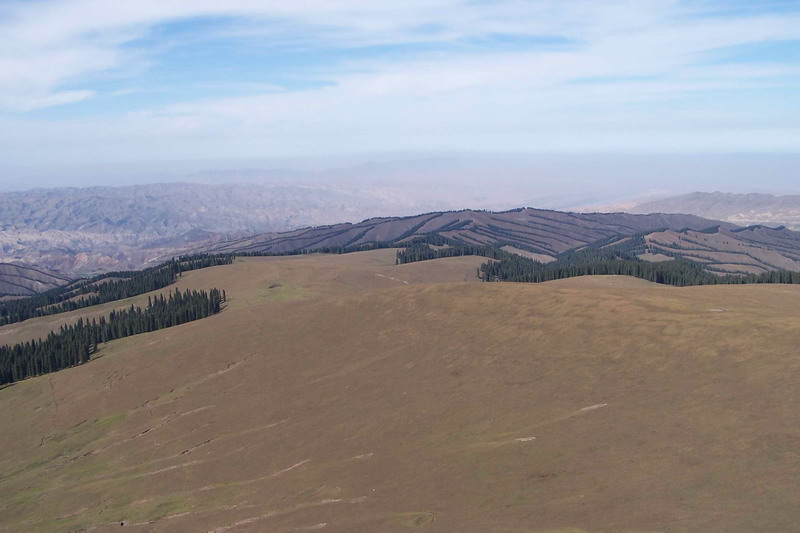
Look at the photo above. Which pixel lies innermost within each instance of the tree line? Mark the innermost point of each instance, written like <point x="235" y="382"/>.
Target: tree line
<point x="73" y="345"/>
<point x="420" y="251"/>
<point x="679" y="272"/>
<point x="432" y="238"/>
<point x="598" y="259"/>
<point x="100" y="289"/>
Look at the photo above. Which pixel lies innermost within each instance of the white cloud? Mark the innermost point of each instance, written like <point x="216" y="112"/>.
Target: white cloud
<point x="617" y="83"/>
<point x="49" y="43"/>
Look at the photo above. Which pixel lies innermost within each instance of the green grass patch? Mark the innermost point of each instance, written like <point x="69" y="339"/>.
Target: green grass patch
<point x="281" y="292"/>
<point x="414" y="519"/>
<point x="272" y="291"/>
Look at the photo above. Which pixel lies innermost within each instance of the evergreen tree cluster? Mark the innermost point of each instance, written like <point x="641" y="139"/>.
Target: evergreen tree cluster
<point x="680" y="272"/>
<point x="420" y="251"/>
<point x="433" y="238"/>
<point x="599" y="259"/>
<point x="74" y="345"/>
<point x="95" y="291"/>
<point x="322" y="250"/>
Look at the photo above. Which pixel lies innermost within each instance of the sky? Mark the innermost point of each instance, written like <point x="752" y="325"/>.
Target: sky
<point x="147" y="83"/>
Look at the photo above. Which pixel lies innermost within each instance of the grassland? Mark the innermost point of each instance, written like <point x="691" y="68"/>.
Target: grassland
<point x="359" y="396"/>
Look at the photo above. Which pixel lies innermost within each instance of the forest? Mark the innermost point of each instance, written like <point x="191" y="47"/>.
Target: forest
<point x="104" y="288"/>
<point x="602" y="258"/>
<point x="74" y="344"/>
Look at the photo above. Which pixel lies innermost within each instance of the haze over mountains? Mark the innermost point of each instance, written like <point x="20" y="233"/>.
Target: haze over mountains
<point x="740" y="209"/>
<point x="71" y="232"/>
<point x="80" y="231"/>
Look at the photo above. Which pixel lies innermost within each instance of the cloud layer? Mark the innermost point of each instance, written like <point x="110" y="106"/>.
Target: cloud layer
<point x="353" y="76"/>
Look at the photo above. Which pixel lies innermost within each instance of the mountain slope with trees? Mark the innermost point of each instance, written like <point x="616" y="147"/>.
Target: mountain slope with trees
<point x="74" y="345"/>
<point x="538" y="230"/>
<point x="718" y="246"/>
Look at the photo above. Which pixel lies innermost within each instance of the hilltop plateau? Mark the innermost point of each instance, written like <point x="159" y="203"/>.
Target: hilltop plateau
<point x="345" y="393"/>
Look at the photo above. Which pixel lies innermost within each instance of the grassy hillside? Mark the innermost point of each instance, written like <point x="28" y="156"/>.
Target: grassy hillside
<point x="356" y="396"/>
<point x="261" y="279"/>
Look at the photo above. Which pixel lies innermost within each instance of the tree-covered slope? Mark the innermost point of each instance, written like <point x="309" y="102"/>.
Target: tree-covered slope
<point x="717" y="246"/>
<point x="544" y="231"/>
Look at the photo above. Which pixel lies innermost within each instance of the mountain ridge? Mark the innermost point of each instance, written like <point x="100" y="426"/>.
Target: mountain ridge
<point x="540" y="230"/>
<point x="78" y="232"/>
<point x="720" y="247"/>
<point x="83" y="231"/>
<point x="741" y="209"/>
<point x="24" y="280"/>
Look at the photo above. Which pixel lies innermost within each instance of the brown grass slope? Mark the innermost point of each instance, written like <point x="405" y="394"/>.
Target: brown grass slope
<point x="581" y="405"/>
<point x="261" y="279"/>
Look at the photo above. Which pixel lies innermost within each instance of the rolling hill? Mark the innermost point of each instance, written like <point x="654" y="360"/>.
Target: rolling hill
<point x="543" y="231"/>
<point x="344" y="393"/>
<point x="542" y="235"/>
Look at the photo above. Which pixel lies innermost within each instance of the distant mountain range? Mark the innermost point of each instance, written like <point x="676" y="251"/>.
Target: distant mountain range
<point x="53" y="235"/>
<point x="84" y="231"/>
<point x="740" y="209"/>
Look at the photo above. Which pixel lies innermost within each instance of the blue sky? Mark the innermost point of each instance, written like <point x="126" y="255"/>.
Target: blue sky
<point x="115" y="82"/>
